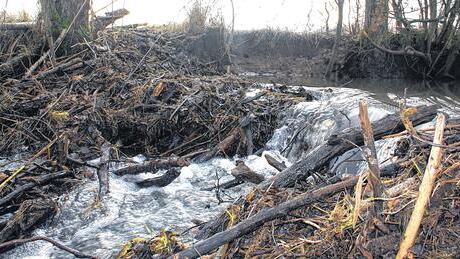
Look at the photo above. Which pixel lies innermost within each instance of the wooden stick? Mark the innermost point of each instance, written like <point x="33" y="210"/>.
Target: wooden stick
<point x="17" y="242"/>
<point x="371" y="154"/>
<point x="252" y="223"/>
<point x="425" y="190"/>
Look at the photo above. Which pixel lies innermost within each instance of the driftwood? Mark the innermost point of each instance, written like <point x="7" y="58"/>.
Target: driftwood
<point x="250" y="224"/>
<point x="280" y="166"/>
<point x="342" y="142"/>
<point x="153" y="166"/>
<point x="17" y="242"/>
<point x="227" y="185"/>
<point x="161" y="181"/>
<point x="425" y="190"/>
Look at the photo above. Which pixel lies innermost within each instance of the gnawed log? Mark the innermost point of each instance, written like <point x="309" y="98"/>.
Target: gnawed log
<point x="342" y="142"/>
<point x="161" y="181"/>
<point x="153" y="166"/>
<point x="252" y="223"/>
<point x="280" y="166"/>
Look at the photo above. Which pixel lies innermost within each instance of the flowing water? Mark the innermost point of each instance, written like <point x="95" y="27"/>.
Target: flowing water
<point x="129" y="211"/>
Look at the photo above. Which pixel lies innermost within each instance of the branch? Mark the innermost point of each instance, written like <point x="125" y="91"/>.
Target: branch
<point x="407" y="51"/>
<point x="425" y="190"/>
<point x="17" y="242"/>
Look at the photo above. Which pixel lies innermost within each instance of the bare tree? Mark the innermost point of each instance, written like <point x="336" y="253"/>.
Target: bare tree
<point x="376" y="17"/>
<point x="338" y="35"/>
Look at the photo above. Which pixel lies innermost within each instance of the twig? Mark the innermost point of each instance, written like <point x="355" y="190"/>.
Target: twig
<point x="425" y="190"/>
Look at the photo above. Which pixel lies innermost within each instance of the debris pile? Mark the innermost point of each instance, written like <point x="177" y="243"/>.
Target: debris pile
<point x="129" y="91"/>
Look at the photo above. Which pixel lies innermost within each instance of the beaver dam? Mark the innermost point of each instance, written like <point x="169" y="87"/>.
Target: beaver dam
<point x="144" y="142"/>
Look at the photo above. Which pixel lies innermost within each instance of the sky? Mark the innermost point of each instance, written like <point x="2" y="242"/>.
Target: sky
<point x="249" y="14"/>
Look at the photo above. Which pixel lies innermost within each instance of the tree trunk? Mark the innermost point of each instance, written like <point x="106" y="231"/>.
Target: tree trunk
<point x="59" y="15"/>
<point x="338" y="35"/>
<point x="376" y="17"/>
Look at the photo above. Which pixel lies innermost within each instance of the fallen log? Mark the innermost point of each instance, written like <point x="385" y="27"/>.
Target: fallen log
<point x="17" y="26"/>
<point x="160" y="181"/>
<point x="342" y="142"/>
<point x="252" y="223"/>
<point x="153" y="166"/>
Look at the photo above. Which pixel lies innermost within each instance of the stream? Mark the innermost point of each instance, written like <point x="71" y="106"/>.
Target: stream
<point x="129" y="211"/>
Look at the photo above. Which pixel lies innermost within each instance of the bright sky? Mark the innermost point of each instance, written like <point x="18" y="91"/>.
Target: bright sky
<point x="250" y="14"/>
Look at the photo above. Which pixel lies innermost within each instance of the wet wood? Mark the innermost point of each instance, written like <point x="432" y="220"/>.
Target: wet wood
<point x="103" y="171"/>
<point x="340" y="143"/>
<point x="280" y="166"/>
<point x="153" y="166"/>
<point x="252" y="223"/>
<point x="425" y="190"/>
<point x="161" y="181"/>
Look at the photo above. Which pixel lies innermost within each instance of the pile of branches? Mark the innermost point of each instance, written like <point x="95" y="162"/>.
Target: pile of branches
<point x="134" y="91"/>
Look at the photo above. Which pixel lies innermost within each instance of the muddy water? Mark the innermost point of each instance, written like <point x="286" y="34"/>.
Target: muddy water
<point x="129" y="211"/>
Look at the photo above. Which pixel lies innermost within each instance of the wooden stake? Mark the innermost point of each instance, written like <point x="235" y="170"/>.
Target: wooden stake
<point x="425" y="190"/>
<point x="370" y="153"/>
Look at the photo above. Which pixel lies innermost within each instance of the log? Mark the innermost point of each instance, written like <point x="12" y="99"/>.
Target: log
<point x="252" y="223"/>
<point x="153" y="166"/>
<point x="280" y="166"/>
<point x="18" y="26"/>
<point x="160" y="181"/>
<point x="340" y="143"/>
<point x="103" y="171"/>
<point x="227" y="185"/>
<point x="425" y="190"/>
